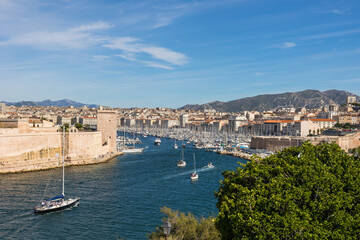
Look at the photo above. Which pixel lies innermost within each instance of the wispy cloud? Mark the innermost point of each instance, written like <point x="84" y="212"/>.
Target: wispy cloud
<point x="258" y="74"/>
<point x="288" y="45"/>
<point x="332" y="34"/>
<point x="133" y="50"/>
<point x="283" y="45"/>
<point x="132" y="58"/>
<point x="100" y="25"/>
<point x="101" y="57"/>
<point x="341" y="12"/>
<point x="74" y="38"/>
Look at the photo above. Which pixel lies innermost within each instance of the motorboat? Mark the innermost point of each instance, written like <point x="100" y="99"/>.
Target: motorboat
<point x="132" y="149"/>
<point x="157" y="141"/>
<point x="210" y="165"/>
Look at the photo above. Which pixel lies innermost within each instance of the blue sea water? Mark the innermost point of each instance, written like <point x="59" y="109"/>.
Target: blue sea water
<point x="120" y="199"/>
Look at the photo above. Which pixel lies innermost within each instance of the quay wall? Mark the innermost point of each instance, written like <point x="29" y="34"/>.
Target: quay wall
<point x="35" y="151"/>
<point x="274" y="144"/>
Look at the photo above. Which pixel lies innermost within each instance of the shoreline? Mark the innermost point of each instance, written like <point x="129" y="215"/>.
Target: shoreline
<point x="242" y="155"/>
<point x="68" y="163"/>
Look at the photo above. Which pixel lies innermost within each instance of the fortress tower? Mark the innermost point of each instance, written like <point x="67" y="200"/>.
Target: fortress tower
<point x="107" y="125"/>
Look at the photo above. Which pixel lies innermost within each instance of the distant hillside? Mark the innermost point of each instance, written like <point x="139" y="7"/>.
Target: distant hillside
<point x="48" y="102"/>
<point x="307" y="98"/>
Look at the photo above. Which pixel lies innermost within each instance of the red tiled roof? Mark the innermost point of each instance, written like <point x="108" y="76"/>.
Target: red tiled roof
<point x="323" y="120"/>
<point x="278" y="121"/>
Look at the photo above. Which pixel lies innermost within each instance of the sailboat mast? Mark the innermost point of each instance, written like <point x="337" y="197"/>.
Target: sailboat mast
<point x="63" y="180"/>
<point x="194" y="163"/>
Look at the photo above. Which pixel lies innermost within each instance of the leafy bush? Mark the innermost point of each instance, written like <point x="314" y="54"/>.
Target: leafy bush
<point x="307" y="192"/>
<point x="186" y="227"/>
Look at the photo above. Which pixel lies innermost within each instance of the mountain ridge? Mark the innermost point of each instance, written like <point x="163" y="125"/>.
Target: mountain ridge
<point x="307" y="98"/>
<point x="47" y="102"/>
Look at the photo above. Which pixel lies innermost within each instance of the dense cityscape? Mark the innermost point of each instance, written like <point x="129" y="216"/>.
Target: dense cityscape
<point x="179" y="120"/>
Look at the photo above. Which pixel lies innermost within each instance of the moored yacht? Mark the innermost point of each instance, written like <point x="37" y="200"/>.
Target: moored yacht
<point x="157" y="141"/>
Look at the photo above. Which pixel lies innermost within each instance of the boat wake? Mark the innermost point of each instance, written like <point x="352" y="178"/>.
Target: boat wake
<point x="203" y="169"/>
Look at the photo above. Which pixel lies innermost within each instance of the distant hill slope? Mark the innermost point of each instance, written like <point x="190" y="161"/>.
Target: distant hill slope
<point x="48" y="102"/>
<point x="307" y="98"/>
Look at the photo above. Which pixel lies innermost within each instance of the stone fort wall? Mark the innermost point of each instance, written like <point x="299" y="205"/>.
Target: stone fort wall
<point x="24" y="149"/>
<point x="26" y="152"/>
<point x="274" y="144"/>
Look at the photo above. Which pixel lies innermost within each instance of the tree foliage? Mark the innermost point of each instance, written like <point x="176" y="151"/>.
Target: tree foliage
<point x="307" y="192"/>
<point x="186" y="227"/>
<point x="66" y="126"/>
<point x="78" y="125"/>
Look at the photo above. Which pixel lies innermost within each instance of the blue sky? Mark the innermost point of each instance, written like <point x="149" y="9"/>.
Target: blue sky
<point x="172" y="53"/>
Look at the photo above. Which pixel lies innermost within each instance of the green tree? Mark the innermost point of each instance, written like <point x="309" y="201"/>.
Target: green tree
<point x="66" y="125"/>
<point x="186" y="227"/>
<point x="78" y="125"/>
<point x="307" y="192"/>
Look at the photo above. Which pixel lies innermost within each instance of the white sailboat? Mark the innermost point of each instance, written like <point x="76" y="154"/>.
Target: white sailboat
<point x="175" y="145"/>
<point x="58" y="202"/>
<point x="181" y="163"/>
<point x="194" y="176"/>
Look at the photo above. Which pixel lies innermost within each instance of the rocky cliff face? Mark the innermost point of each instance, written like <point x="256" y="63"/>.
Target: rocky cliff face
<point x="307" y="98"/>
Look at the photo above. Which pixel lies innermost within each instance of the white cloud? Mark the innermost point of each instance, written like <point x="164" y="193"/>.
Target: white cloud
<point x="157" y="65"/>
<point x="127" y="44"/>
<point x="101" y="57"/>
<point x="100" y="25"/>
<point x="75" y="38"/>
<point x="288" y="45"/>
<point x="166" y="55"/>
<point x="54" y="40"/>
<point x="134" y="51"/>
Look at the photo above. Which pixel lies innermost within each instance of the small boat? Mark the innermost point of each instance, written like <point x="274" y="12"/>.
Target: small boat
<point x="194" y="176"/>
<point x="175" y="145"/>
<point x="181" y="162"/>
<point x="132" y="149"/>
<point x="58" y="202"/>
<point x="209" y="165"/>
<point x="145" y="136"/>
<point x="157" y="141"/>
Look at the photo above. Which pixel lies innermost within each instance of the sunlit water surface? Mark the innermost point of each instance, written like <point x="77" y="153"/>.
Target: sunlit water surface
<point x="120" y="199"/>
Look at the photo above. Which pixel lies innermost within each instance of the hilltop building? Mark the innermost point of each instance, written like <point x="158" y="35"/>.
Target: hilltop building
<point x="350" y="99"/>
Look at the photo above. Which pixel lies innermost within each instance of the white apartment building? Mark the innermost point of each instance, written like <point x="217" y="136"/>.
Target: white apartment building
<point x="236" y="121"/>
